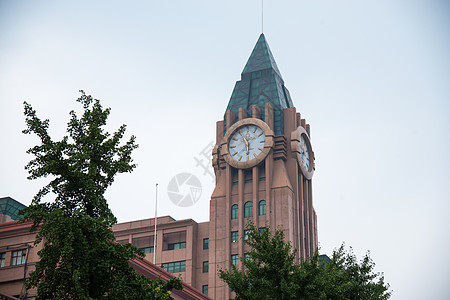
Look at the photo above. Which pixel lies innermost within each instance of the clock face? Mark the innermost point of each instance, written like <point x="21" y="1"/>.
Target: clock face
<point x="304" y="152"/>
<point x="246" y="143"/>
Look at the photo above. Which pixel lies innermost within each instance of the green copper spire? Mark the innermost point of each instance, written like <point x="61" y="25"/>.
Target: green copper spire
<point x="261" y="58"/>
<point x="261" y="82"/>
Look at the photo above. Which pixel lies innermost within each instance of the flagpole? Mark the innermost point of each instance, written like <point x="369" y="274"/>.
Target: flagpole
<point x="154" y="234"/>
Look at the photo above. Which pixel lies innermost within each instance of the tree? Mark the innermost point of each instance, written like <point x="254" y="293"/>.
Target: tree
<point x="80" y="258"/>
<point x="342" y="277"/>
<point x="270" y="272"/>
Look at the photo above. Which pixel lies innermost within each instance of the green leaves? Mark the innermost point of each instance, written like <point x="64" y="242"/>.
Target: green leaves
<point x="82" y="164"/>
<point x="80" y="258"/>
<point x="342" y="277"/>
<point x="270" y="272"/>
<point x="269" y="267"/>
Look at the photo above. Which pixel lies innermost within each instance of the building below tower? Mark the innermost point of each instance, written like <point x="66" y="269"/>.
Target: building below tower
<point x="19" y="255"/>
<point x="182" y="247"/>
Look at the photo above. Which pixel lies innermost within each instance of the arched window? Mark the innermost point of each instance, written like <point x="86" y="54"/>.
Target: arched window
<point x="234" y="211"/>
<point x="262" y="208"/>
<point x="248" y="209"/>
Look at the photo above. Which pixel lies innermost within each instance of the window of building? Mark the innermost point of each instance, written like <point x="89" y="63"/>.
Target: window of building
<point x="2" y="259"/>
<point x="173" y="240"/>
<point x="248" y="209"/>
<point x="206" y="244"/>
<point x="261" y="229"/>
<point x="141" y="242"/>
<point x="262" y="208"/>
<point x="173" y="246"/>
<point x="234" y="236"/>
<point x="173" y="267"/>
<point x="150" y="249"/>
<point x="247" y="256"/>
<point x="205" y="289"/>
<point x="234" y="211"/>
<point x="18" y="257"/>
<point x="234" y="259"/>
<point x="205" y="267"/>
<point x="246" y="232"/>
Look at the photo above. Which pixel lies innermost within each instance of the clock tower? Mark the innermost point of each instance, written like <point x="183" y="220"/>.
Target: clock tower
<point x="264" y="163"/>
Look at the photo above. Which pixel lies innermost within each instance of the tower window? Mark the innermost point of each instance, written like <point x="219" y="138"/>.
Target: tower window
<point x="206" y="244"/>
<point x="234" y="211"/>
<point x="248" y="206"/>
<point x="205" y="289"/>
<point x="234" y="259"/>
<point x="234" y="236"/>
<point x="205" y="267"/>
<point x="262" y="208"/>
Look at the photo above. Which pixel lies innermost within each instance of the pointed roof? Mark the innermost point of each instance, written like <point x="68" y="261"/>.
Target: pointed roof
<point x="261" y="58"/>
<point x="261" y="83"/>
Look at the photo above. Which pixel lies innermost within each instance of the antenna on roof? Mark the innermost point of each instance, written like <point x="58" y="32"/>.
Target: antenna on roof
<point x="262" y="16"/>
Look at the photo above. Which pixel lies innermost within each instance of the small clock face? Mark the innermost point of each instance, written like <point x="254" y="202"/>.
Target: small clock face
<point x="246" y="143"/>
<point x="304" y="152"/>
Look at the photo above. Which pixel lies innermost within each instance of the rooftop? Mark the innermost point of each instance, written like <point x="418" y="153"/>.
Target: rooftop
<point x="10" y="208"/>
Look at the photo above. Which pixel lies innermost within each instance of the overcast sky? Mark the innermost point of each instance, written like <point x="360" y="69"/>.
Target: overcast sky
<point x="371" y="77"/>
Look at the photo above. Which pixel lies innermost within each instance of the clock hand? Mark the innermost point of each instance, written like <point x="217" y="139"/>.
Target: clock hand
<point x="245" y="141"/>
